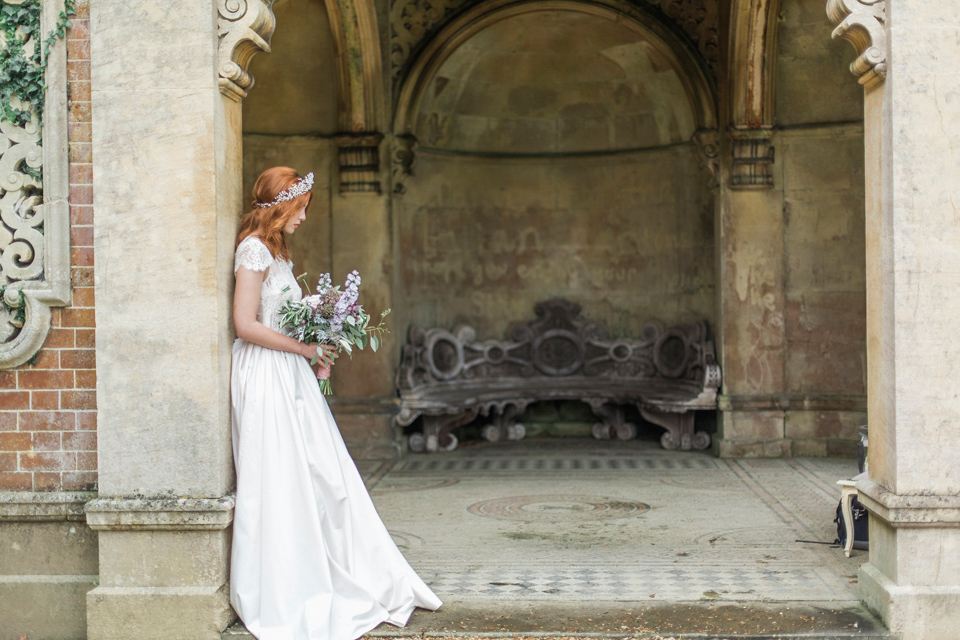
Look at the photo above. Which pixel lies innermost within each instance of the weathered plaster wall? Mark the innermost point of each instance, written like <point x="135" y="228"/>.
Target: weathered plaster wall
<point x="628" y="236"/>
<point x="795" y="359"/>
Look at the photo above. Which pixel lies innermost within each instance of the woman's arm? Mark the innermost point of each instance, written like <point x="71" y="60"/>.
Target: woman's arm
<point x="246" y="302"/>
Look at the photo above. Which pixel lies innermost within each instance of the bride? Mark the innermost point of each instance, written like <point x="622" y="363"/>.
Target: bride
<point x="311" y="558"/>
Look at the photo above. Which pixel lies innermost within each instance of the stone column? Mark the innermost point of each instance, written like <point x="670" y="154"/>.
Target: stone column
<point x="167" y="173"/>
<point x="751" y="297"/>
<point x="912" y="134"/>
<point x="362" y="240"/>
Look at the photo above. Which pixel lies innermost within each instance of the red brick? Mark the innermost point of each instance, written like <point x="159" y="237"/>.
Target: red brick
<point x="16" y="481"/>
<point x="47" y="359"/>
<point x="78" y="359"/>
<point x="80" y="481"/>
<point x="78" y="91"/>
<point x="8" y="420"/>
<point x="86" y="461"/>
<point x="48" y="461"/>
<point x="78" y="70"/>
<point x="60" y="339"/>
<point x="86" y="338"/>
<point x="48" y="421"/>
<point x="80" y="131"/>
<point x="79" y="29"/>
<point x="45" y="400"/>
<point x="80" y="441"/>
<point x="78" y="49"/>
<point x="82" y="276"/>
<point x="46" y="481"/>
<point x="86" y="420"/>
<point x="8" y="461"/>
<point x="14" y="400"/>
<point x="8" y="379"/>
<point x="81" y="214"/>
<point x="83" y="297"/>
<point x="81" y="194"/>
<point x="79" y="318"/>
<point x="81" y="9"/>
<point x="81" y="153"/>
<point x="81" y="256"/>
<point x="86" y="379"/>
<point x="49" y="379"/>
<point x="81" y="237"/>
<point x="81" y="173"/>
<point x="15" y="441"/>
<point x="79" y="400"/>
<point x="78" y="111"/>
<point x="45" y="441"/>
<point x="56" y="316"/>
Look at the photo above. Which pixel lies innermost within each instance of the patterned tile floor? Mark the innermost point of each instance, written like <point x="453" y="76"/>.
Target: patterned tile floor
<point x="577" y="520"/>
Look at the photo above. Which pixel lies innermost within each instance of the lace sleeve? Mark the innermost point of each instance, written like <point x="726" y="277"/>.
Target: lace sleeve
<point x="253" y="255"/>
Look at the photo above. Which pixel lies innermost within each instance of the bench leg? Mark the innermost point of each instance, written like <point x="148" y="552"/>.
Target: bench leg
<point x="613" y="423"/>
<point x="437" y="434"/>
<point x="504" y="426"/>
<point x="680" y="433"/>
<point x="846" y="508"/>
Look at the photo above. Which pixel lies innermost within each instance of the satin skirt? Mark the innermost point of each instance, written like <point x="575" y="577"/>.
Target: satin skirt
<point x="311" y="557"/>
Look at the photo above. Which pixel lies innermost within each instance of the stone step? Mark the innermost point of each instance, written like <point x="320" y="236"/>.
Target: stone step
<point x="728" y="620"/>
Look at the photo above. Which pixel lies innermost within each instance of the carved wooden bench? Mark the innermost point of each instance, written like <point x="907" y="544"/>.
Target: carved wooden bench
<point x="449" y="378"/>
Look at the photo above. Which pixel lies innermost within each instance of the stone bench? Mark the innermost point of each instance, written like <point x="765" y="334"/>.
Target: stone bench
<point x="450" y="378"/>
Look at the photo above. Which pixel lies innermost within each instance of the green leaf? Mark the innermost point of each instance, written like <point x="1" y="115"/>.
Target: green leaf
<point x="374" y="343"/>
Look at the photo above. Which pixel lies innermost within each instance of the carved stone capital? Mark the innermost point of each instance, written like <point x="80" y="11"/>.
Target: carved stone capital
<point x="861" y="22"/>
<point x="359" y="161"/>
<point x="244" y="28"/>
<point x="404" y="160"/>
<point x="752" y="159"/>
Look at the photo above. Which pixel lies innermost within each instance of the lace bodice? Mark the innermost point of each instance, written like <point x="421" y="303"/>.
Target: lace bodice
<point x="280" y="285"/>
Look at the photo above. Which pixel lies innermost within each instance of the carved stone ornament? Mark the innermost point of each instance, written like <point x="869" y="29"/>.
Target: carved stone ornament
<point x="862" y="22"/>
<point x="449" y="378"/>
<point x="359" y="162"/>
<point x="413" y="22"/>
<point x="244" y="28"/>
<point x="404" y="160"/>
<point x="708" y="153"/>
<point x="35" y="229"/>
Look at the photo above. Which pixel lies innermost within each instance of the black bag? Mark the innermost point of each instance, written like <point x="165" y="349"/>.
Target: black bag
<point x="860" y="528"/>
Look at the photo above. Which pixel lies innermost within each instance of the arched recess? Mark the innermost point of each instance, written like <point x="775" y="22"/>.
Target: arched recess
<point x="697" y="83"/>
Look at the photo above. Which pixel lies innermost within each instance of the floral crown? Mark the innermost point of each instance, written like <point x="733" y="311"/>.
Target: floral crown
<point x="300" y="187"/>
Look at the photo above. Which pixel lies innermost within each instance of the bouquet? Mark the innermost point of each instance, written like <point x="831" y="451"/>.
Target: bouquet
<point x="332" y="317"/>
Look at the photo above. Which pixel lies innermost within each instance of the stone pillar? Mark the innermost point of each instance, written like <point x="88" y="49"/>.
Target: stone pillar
<point x="167" y="176"/>
<point x="751" y="298"/>
<point x="361" y="239"/>
<point x="912" y="133"/>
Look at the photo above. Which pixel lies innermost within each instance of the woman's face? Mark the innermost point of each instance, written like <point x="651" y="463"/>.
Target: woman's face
<point x="295" y="220"/>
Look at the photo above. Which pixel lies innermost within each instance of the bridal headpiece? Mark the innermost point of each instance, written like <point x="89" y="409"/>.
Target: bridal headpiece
<point x="298" y="188"/>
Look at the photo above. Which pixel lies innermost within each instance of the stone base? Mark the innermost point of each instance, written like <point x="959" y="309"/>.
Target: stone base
<point x="914" y="612"/>
<point x="48" y="607"/>
<point x="158" y="613"/>
<point x="759" y="448"/>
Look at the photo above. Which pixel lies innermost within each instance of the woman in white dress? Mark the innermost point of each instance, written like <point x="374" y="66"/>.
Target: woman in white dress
<point x="311" y="557"/>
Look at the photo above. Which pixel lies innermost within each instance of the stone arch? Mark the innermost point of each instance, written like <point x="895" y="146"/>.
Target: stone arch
<point x="754" y="28"/>
<point x="698" y="85"/>
<point x="356" y="43"/>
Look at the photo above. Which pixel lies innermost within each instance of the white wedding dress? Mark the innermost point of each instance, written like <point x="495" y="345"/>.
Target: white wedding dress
<point x="311" y="557"/>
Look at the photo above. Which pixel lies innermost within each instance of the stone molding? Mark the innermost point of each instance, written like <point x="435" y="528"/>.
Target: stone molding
<point x="35" y="233"/>
<point x="244" y="28"/>
<point x="359" y="162"/>
<point x="862" y="22"/>
<point x="754" y="37"/>
<point x="43" y="506"/>
<point x="358" y="53"/>
<point x="793" y="402"/>
<point x="160" y="514"/>
<point x="909" y="511"/>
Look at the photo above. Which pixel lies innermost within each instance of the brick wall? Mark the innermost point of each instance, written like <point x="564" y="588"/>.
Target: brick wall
<point x="48" y="411"/>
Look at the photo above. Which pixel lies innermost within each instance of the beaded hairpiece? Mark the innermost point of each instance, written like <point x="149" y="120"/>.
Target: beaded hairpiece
<point x="299" y="188"/>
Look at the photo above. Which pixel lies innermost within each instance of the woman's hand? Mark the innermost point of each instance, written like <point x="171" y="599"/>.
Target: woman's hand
<point x="325" y="355"/>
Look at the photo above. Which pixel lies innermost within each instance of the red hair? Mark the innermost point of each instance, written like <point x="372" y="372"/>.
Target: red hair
<point x="267" y="223"/>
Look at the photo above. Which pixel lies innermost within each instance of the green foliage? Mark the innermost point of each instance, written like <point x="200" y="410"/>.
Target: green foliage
<point x="19" y="310"/>
<point x="22" y="72"/>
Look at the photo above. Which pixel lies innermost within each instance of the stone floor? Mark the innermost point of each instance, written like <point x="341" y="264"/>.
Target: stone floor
<point x="568" y="536"/>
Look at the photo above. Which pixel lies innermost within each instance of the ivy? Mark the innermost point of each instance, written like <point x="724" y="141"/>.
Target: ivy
<point x="18" y="310"/>
<point x="23" y="71"/>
